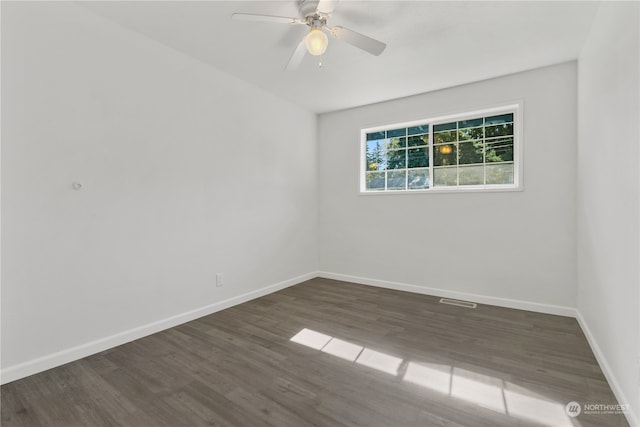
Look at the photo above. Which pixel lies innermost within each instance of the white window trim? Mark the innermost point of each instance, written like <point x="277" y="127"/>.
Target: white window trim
<point x="515" y="108"/>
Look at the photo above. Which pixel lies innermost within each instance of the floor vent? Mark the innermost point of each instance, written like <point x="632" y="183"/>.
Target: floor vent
<point x="459" y="303"/>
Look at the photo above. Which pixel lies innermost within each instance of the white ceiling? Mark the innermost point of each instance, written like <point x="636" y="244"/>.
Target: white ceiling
<point x="430" y="45"/>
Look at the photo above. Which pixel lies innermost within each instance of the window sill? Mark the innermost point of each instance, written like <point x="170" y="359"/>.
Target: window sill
<point x="437" y="190"/>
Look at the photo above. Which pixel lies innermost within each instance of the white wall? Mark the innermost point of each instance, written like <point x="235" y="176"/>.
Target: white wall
<point x="186" y="172"/>
<point x="608" y="193"/>
<point x="513" y="245"/>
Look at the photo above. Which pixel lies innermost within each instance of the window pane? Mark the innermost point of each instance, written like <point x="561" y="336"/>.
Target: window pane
<point x="498" y="130"/>
<point x="375" y="164"/>
<point x="418" y="158"/>
<point x="415" y="130"/>
<point x="396" y="132"/>
<point x="376" y="160"/>
<point x="503" y="118"/>
<point x="445" y="155"/>
<point x="470" y="152"/>
<point x="418" y="140"/>
<point x="418" y="179"/>
<point x="470" y="133"/>
<point x="445" y="126"/>
<point x="396" y="159"/>
<point x="470" y="123"/>
<point x="500" y="150"/>
<point x="446" y="136"/>
<point x="396" y="180"/>
<point x="471" y="175"/>
<point x="375" y="135"/>
<point x="376" y="145"/>
<point x="501" y="173"/>
<point x="375" y="180"/>
<point x="397" y="143"/>
<point x="445" y="176"/>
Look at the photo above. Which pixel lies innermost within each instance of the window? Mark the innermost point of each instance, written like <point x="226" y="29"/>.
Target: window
<point x="463" y="152"/>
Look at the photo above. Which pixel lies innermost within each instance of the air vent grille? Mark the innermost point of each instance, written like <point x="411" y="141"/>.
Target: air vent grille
<point x="458" y="303"/>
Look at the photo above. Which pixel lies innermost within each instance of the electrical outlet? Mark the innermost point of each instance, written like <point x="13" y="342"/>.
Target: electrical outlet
<point x="219" y="279"/>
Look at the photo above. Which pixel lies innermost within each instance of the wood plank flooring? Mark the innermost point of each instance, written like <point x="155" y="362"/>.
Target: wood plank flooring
<point x="360" y="356"/>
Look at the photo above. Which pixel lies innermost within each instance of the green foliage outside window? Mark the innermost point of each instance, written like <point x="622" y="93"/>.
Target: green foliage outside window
<point x="477" y="151"/>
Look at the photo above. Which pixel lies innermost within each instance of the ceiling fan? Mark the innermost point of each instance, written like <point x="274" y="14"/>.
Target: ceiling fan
<point x="314" y="14"/>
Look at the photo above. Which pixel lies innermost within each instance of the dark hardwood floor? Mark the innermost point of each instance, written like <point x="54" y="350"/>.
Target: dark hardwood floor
<point x="329" y="353"/>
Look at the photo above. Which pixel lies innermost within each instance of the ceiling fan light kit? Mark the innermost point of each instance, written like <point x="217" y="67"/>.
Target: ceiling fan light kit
<point x="314" y="14"/>
<point x="316" y="42"/>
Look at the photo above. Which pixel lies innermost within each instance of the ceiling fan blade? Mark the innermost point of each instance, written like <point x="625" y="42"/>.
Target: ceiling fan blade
<point x="266" y="18"/>
<point x="326" y="7"/>
<point x="297" y="57"/>
<point x="358" y="40"/>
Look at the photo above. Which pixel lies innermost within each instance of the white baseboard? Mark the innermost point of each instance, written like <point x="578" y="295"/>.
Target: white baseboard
<point x="480" y="299"/>
<point x="49" y="361"/>
<point x="632" y="417"/>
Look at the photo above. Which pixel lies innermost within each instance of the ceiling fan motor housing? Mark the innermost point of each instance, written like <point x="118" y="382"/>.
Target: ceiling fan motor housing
<point x="307" y="8"/>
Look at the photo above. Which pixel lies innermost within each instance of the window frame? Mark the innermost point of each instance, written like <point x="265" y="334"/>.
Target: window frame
<point x="512" y="108"/>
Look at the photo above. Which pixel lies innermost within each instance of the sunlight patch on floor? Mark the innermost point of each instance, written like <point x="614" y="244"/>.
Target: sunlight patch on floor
<point x="489" y="392"/>
<point x="434" y="376"/>
<point x="380" y="361"/>
<point x="342" y="349"/>
<point x="483" y="390"/>
<point x="521" y="404"/>
<point x="312" y="339"/>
